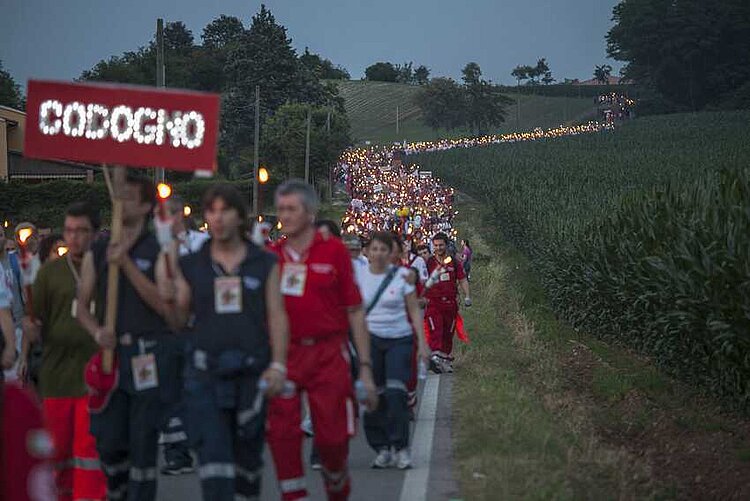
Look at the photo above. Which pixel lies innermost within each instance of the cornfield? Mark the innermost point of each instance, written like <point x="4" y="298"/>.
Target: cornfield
<point x="641" y="235"/>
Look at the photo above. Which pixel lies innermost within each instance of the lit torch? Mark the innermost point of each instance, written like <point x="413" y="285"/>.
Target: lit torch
<point x="163" y="224"/>
<point x="23" y="235"/>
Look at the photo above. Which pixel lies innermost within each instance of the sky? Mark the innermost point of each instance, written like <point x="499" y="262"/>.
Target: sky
<point x="58" y="39"/>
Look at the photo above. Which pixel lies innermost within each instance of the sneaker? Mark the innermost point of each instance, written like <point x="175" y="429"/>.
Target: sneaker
<point x="435" y="364"/>
<point x="180" y="465"/>
<point x="403" y="459"/>
<point x="383" y="460"/>
<point x="315" y="463"/>
<point x="448" y="366"/>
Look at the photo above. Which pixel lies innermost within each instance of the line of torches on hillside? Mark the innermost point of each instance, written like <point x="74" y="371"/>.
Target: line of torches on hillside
<point x="387" y="195"/>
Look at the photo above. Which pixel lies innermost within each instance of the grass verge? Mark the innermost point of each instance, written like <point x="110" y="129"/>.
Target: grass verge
<point x="544" y="412"/>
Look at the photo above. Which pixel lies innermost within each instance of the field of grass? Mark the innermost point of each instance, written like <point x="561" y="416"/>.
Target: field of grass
<point x="371" y="108"/>
<point x="543" y="411"/>
<point x="640" y="234"/>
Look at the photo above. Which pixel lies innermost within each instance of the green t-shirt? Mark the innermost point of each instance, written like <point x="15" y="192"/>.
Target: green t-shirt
<point x="66" y="345"/>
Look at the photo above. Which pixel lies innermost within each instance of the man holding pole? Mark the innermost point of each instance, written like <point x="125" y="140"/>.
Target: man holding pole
<point x="148" y="381"/>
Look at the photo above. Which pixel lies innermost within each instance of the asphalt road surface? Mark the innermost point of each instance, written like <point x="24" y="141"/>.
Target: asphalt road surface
<point x="430" y="478"/>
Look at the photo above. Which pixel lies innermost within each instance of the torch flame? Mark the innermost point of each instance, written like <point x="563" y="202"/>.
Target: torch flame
<point x="263" y="175"/>
<point x="448" y="260"/>
<point x="62" y="250"/>
<point x="164" y="191"/>
<point x="24" y="234"/>
<point x="186" y="211"/>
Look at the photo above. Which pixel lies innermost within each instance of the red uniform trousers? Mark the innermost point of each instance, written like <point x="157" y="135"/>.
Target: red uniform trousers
<point x="440" y="318"/>
<point x="78" y="473"/>
<point x="321" y="368"/>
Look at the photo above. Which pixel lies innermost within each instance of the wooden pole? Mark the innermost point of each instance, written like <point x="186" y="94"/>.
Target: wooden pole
<point x="307" y="147"/>
<point x="256" y="159"/>
<point x="160" y="76"/>
<point x="113" y="273"/>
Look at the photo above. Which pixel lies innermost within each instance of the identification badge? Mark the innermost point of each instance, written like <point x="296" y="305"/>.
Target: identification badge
<point x="74" y="308"/>
<point x="293" y="279"/>
<point x="145" y="376"/>
<point x="445" y="277"/>
<point x="228" y="295"/>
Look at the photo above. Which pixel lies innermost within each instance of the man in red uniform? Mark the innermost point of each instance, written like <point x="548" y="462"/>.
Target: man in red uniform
<point x="446" y="276"/>
<point x="323" y="303"/>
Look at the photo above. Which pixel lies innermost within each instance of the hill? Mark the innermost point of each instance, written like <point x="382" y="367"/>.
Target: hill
<point x="371" y="108"/>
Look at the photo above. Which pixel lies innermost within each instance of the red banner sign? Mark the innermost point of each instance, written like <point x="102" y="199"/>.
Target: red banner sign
<point x="122" y="125"/>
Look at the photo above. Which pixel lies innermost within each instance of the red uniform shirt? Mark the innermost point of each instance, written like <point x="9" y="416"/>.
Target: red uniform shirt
<point x="318" y="288"/>
<point x="445" y="289"/>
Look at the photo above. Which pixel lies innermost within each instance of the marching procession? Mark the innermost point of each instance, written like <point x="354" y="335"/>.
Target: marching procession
<point x="213" y="343"/>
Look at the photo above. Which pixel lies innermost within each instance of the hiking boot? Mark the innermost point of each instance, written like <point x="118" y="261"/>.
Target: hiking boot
<point x="436" y="364"/>
<point x="383" y="460"/>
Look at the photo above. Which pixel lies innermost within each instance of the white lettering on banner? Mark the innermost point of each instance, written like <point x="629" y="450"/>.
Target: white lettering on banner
<point x="185" y="129"/>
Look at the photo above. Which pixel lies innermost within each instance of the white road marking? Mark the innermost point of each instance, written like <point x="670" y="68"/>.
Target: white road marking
<point x="415" y="480"/>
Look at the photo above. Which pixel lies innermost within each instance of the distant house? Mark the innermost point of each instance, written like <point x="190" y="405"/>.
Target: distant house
<point x="13" y="165"/>
<point x="610" y="81"/>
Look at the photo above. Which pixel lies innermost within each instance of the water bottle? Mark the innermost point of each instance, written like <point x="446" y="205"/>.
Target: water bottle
<point x="360" y="391"/>
<point x="422" y="370"/>
<point x="286" y="392"/>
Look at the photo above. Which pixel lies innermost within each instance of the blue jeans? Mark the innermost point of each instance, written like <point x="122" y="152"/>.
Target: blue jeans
<point x="388" y="425"/>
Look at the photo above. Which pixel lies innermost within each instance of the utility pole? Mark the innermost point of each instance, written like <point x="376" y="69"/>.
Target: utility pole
<point x="397" y="117"/>
<point x="160" y="74"/>
<point x="307" y="148"/>
<point x="256" y="160"/>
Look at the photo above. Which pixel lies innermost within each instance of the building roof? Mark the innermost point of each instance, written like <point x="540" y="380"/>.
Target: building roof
<point x="20" y="167"/>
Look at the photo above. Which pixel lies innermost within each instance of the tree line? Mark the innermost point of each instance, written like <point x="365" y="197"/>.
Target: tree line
<point x="400" y="73"/>
<point x="232" y="59"/>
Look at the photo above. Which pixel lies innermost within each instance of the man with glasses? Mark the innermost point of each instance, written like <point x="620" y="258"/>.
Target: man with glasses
<point x="66" y="349"/>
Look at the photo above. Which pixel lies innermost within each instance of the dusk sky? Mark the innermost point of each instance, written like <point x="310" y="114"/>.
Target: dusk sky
<point x="58" y="39"/>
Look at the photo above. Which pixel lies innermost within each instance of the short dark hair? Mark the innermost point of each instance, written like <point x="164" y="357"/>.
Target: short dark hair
<point x="230" y="195"/>
<point x="383" y="237"/>
<point x="441" y="236"/>
<point x="422" y="247"/>
<point x="84" y="209"/>
<point x="330" y="225"/>
<point x="45" y="246"/>
<point x="146" y="187"/>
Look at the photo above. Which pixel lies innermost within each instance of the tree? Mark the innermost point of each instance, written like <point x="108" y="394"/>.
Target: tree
<point x="443" y="104"/>
<point x="422" y="75"/>
<point x="521" y="73"/>
<point x="690" y="52"/>
<point x="264" y="56"/>
<point x="222" y="32"/>
<point x="10" y="91"/>
<point x="602" y="73"/>
<point x="283" y="140"/>
<point x="405" y="73"/>
<point x="323" y="68"/>
<point x="472" y="74"/>
<point x="381" y="72"/>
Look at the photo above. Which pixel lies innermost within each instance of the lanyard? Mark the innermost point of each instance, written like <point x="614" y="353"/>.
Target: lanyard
<point x="76" y="275"/>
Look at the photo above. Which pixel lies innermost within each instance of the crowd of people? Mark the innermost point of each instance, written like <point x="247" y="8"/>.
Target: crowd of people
<point x="219" y="342"/>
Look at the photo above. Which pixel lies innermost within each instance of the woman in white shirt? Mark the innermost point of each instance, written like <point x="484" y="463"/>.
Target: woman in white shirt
<point x="394" y="321"/>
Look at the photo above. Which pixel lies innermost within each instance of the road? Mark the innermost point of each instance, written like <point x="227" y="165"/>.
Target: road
<point x="430" y="478"/>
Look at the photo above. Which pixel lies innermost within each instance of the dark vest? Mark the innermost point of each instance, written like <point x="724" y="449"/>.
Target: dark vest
<point x="217" y="333"/>
<point x="134" y="316"/>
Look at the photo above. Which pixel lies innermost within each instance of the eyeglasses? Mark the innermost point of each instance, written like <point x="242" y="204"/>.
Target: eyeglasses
<point x="76" y="231"/>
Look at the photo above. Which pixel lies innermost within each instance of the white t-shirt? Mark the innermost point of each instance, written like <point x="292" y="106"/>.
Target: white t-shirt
<point x="418" y="263"/>
<point x="388" y="319"/>
<point x="192" y="241"/>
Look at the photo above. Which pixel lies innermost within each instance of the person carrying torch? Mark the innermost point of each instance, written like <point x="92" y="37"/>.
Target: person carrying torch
<point x="441" y="292"/>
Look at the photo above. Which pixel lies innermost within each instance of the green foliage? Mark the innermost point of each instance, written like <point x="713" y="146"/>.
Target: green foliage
<point x="232" y="60"/>
<point x="640" y="234"/>
<point x="10" y="91"/>
<point x="381" y="72"/>
<point x="283" y="140"/>
<point x="19" y="201"/>
<point x="478" y="104"/>
<point x="691" y="52"/>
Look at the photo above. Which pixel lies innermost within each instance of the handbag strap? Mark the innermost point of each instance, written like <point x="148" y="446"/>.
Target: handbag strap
<point x="383" y="286"/>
